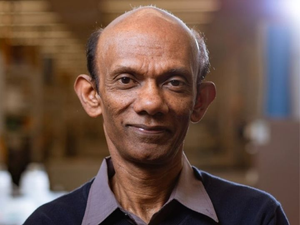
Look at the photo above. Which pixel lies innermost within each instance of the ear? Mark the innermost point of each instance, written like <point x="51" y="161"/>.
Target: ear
<point x="206" y="93"/>
<point x="87" y="95"/>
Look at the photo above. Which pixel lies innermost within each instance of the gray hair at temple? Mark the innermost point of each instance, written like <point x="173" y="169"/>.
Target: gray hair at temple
<point x="91" y="51"/>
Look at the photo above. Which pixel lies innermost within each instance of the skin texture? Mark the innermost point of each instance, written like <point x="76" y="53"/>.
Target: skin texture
<point x="148" y="94"/>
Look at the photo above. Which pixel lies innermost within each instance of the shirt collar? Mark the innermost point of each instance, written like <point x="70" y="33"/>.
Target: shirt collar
<point x="101" y="200"/>
<point x="189" y="191"/>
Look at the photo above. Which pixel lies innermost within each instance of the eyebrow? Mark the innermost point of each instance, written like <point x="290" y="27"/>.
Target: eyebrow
<point x="124" y="69"/>
<point x="180" y="71"/>
<point x="177" y="71"/>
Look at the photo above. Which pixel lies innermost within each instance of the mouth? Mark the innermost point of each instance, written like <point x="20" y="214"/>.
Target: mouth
<point x="150" y="130"/>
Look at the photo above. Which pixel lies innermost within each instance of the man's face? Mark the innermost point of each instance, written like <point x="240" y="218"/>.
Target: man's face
<point x="147" y="93"/>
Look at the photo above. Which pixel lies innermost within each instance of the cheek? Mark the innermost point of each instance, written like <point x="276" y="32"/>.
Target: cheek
<point x="115" y="104"/>
<point x="183" y="107"/>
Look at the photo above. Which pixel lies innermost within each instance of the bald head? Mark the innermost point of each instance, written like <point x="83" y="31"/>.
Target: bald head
<point x="147" y="17"/>
<point x="150" y="25"/>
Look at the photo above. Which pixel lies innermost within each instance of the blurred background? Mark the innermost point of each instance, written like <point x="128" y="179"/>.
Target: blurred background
<point x="250" y="134"/>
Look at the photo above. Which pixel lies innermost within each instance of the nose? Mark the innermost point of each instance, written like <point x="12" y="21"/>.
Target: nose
<point x="150" y="100"/>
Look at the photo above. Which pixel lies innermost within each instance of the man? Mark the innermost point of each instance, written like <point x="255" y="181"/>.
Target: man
<point x="147" y="70"/>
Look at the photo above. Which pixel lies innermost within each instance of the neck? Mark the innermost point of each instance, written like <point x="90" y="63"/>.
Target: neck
<point x="144" y="190"/>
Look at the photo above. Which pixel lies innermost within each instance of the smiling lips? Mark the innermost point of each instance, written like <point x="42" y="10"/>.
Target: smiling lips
<point x="150" y="130"/>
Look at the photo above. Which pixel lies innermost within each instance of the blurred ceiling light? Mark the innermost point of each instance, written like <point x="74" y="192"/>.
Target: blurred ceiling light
<point x="40" y="35"/>
<point x="24" y="6"/>
<point x="285" y="9"/>
<point x="32" y="23"/>
<point x="119" y="6"/>
<point x="56" y="27"/>
<point x="33" y="19"/>
<point x="292" y="9"/>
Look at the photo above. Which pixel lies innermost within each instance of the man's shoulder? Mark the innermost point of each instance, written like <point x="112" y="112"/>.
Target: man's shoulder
<point x="237" y="202"/>
<point x="218" y="186"/>
<point x="67" y="209"/>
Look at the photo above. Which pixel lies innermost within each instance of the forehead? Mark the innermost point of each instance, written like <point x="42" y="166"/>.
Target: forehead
<point x="146" y="53"/>
<point x="147" y="36"/>
<point x="145" y="44"/>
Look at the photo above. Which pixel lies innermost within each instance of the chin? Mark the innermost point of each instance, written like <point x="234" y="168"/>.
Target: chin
<point x="151" y="157"/>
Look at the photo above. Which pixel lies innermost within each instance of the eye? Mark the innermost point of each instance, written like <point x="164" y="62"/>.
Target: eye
<point x="175" y="83"/>
<point x="125" y="80"/>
